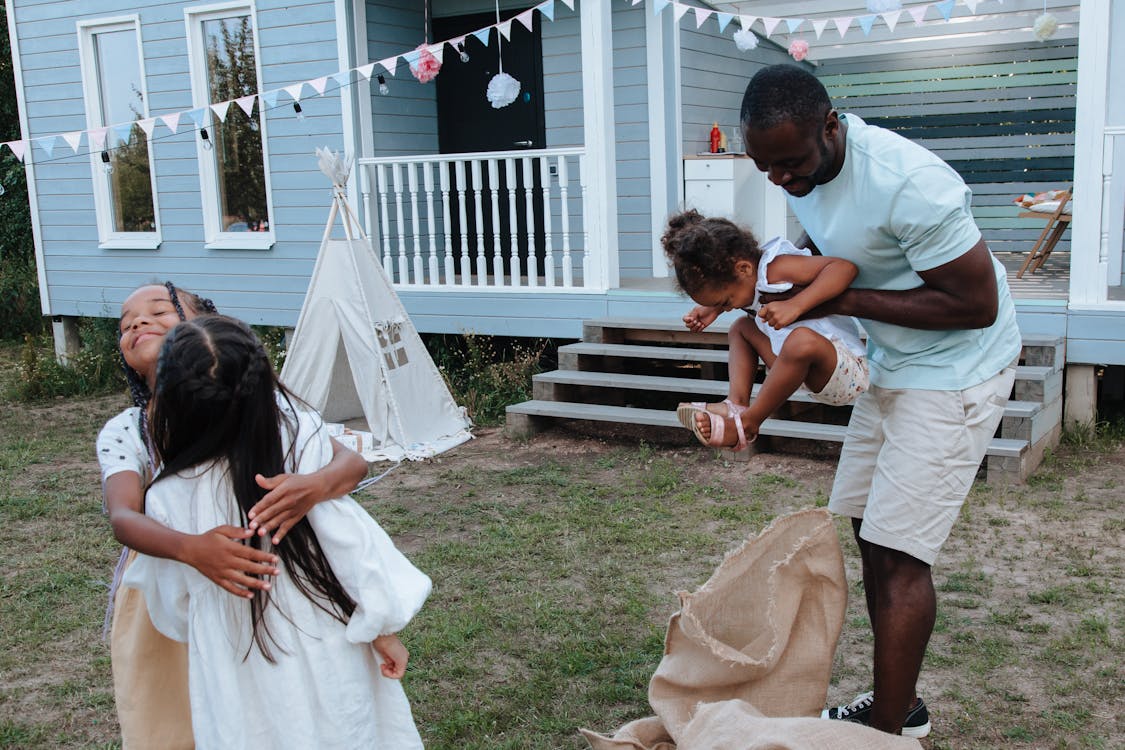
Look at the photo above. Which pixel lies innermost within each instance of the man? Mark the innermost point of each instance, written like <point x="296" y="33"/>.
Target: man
<point x="942" y="348"/>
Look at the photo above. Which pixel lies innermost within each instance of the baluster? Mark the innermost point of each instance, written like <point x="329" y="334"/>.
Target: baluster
<point x="510" y="176"/>
<point x="381" y="188"/>
<point x="585" y="222"/>
<point x="494" y="194"/>
<point x="482" y="263"/>
<point x="564" y="223"/>
<point x="368" y="205"/>
<point x="529" y="222"/>
<point x="446" y="221"/>
<point x="428" y="186"/>
<point x="466" y="266"/>
<point x="415" y="219"/>
<point x="403" y="270"/>
<point x="548" y="250"/>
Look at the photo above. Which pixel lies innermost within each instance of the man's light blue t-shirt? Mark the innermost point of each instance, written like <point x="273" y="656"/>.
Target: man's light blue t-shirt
<point x="896" y="209"/>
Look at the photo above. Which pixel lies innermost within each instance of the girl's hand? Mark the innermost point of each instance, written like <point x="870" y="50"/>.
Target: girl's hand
<point x="780" y="314"/>
<point x="700" y="317"/>
<point x="290" y="498"/>
<point x="219" y="555"/>
<point x="394" y="656"/>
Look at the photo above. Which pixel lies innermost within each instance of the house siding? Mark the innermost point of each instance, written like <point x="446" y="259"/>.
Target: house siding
<point x="258" y="286"/>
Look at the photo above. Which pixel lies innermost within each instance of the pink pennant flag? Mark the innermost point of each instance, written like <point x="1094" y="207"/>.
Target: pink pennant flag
<point x="390" y="64"/>
<point x="172" y="121"/>
<point x="701" y="15"/>
<point x="819" y="26"/>
<point x="918" y="13"/>
<point x="220" y="109"/>
<point x="73" y="139"/>
<point x="318" y="84"/>
<point x="842" y="23"/>
<point x="527" y="18"/>
<point x="148" y="125"/>
<point x="294" y="91"/>
<point x="97" y="138"/>
<point x="246" y="103"/>
<point x="505" y="29"/>
<point x="18" y="148"/>
<point x="891" y="17"/>
<point x="770" y="24"/>
<point x="366" y="71"/>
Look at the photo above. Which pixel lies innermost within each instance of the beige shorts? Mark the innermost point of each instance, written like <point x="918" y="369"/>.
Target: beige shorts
<point x="910" y="457"/>
<point x="848" y="380"/>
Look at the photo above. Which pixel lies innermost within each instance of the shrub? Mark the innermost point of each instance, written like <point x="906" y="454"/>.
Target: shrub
<point x="95" y="369"/>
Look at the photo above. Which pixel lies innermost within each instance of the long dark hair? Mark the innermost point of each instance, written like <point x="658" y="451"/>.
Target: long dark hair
<point x="705" y="250"/>
<point x="216" y="401"/>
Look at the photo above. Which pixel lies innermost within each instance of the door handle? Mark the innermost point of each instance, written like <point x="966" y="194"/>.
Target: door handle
<point x="525" y="144"/>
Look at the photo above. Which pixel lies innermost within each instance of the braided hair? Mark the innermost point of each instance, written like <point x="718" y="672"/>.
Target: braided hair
<point x="217" y="401"/>
<point x="704" y="250"/>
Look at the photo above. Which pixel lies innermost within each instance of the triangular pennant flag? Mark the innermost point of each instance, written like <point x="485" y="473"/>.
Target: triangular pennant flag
<point x="746" y="22"/>
<point x="865" y="23"/>
<point x="891" y="17"/>
<point x="123" y="133"/>
<point x="246" y="104"/>
<point x="659" y="5"/>
<point x="679" y="11"/>
<point x="269" y="98"/>
<point x="972" y="5"/>
<point x="318" y="84"/>
<point x="438" y="51"/>
<point x="794" y="23"/>
<point x="18" y="148"/>
<point x="505" y="29"/>
<point x="819" y="26"/>
<point x="724" y="20"/>
<point x="945" y="7"/>
<point x="481" y="35"/>
<point x="73" y="139"/>
<point x="220" y="109"/>
<point x="365" y="71"/>
<point x="390" y="65"/>
<point x="47" y="143"/>
<point x="97" y="138"/>
<point x="918" y="12"/>
<point x="411" y="57"/>
<point x="172" y="121"/>
<point x="527" y="18"/>
<point x="701" y="15"/>
<point x="294" y="91"/>
<point x="843" y="23"/>
<point x="770" y="24"/>
<point x="548" y="9"/>
<point x="569" y="4"/>
<point x="148" y="125"/>
<point x="343" y="78"/>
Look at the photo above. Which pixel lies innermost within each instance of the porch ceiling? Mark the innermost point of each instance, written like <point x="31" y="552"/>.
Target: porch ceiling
<point x="995" y="22"/>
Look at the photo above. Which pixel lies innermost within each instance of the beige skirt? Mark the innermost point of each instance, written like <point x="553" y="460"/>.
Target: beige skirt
<point x="150" y="678"/>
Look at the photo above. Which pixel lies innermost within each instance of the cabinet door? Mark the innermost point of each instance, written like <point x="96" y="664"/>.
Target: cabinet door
<point x="710" y="197"/>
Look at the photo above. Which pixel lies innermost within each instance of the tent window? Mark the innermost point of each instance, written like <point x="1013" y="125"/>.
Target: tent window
<point x="394" y="349"/>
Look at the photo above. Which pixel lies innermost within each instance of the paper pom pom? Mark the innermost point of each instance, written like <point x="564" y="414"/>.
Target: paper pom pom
<point x="799" y="49"/>
<point x="745" y="40"/>
<point x="883" y="6"/>
<point x="426" y="67"/>
<point x="1045" y="27"/>
<point x="502" y="90"/>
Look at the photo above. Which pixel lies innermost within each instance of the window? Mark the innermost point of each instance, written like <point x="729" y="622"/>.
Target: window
<point x="233" y="157"/>
<point x="114" y="85"/>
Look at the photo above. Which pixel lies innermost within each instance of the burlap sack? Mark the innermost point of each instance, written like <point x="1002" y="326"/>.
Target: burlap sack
<point x="754" y="642"/>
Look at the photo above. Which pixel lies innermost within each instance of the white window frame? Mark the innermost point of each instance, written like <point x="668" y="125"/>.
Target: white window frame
<point x="214" y="237"/>
<point x="108" y="237"/>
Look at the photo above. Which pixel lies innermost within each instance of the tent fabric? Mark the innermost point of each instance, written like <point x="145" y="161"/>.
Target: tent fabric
<point x="748" y="657"/>
<point x="355" y="353"/>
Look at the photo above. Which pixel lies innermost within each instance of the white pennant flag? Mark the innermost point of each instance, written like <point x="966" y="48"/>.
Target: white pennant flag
<point x="819" y="26"/>
<point x="390" y="65"/>
<point x="366" y="71"/>
<point x="18" y="148"/>
<point x="246" y="103"/>
<point x="438" y="51"/>
<point x="679" y="11"/>
<point x="770" y="24"/>
<point x="172" y="121"/>
<point x="318" y="84"/>
<point x="843" y="23"/>
<point x="918" y="13"/>
<point x="220" y="109"/>
<point x="294" y="91"/>
<point x="569" y="4"/>
<point x="972" y="5"/>
<point x="891" y="17"/>
<point x="747" y="21"/>
<point x="505" y="29"/>
<point x="148" y="125"/>
<point x="73" y="139"/>
<point x="97" y="138"/>
<point x="527" y="18"/>
<point x="701" y="15"/>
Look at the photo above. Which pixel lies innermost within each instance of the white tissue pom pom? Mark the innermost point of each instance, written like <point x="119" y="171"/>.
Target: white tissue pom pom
<point x="745" y="40"/>
<point x="502" y="90"/>
<point x="883" y="6"/>
<point x="1045" y="27"/>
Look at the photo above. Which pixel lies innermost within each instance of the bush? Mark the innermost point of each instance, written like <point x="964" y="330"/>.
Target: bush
<point x="95" y="369"/>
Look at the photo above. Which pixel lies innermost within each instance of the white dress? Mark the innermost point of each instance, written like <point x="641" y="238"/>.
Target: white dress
<point x="324" y="690"/>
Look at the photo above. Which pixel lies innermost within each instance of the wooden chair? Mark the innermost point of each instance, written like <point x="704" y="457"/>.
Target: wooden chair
<point x="1057" y="223"/>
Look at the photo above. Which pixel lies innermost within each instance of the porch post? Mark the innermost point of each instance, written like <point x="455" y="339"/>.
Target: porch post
<point x="1087" y="268"/>
<point x="601" y="158"/>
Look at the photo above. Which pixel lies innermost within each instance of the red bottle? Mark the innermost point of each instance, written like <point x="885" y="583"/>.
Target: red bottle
<point x="716" y="138"/>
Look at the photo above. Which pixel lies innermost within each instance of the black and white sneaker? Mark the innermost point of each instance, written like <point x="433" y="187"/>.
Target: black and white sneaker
<point x="917" y="722"/>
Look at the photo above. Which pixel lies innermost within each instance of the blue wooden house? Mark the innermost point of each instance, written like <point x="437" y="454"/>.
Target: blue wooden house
<point x="174" y="140"/>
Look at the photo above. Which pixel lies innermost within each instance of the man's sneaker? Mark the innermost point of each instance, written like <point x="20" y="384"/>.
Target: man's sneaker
<point x="917" y="722"/>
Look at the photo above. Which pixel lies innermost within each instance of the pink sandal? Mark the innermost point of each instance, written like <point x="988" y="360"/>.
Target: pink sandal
<point x="686" y="412"/>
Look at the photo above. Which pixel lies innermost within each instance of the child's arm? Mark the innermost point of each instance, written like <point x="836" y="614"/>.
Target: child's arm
<point x="394" y="656"/>
<point x="217" y="554"/>
<point x="699" y="317"/>
<point x="292" y="496"/>
<point x="821" y="277"/>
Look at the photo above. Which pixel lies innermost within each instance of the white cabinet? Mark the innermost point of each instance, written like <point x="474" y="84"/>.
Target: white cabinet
<point x="732" y="187"/>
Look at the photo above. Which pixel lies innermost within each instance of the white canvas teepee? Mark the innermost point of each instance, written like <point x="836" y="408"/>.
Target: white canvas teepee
<point x="355" y="352"/>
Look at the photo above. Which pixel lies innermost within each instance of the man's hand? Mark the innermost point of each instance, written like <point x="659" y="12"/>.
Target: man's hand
<point x="699" y="317"/>
<point x="289" y="499"/>
<point x="220" y="556"/>
<point x="394" y="656"/>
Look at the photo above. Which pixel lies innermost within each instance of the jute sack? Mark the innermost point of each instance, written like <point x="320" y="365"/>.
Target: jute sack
<point x="752" y="645"/>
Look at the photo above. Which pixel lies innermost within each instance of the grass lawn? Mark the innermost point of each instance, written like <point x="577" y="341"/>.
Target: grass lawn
<point x="556" y="565"/>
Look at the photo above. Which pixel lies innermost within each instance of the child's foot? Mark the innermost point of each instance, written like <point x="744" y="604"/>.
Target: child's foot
<point x="686" y="412"/>
<point x="720" y="431"/>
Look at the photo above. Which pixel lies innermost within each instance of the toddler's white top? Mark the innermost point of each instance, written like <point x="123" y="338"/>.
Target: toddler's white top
<point x="325" y="690"/>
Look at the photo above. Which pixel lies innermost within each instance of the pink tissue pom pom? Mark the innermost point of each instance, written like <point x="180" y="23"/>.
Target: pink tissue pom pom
<point x="799" y="49"/>
<point x="426" y="67"/>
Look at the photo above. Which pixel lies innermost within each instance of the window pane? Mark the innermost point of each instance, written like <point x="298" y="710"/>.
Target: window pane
<point x="232" y="73"/>
<point x="120" y="89"/>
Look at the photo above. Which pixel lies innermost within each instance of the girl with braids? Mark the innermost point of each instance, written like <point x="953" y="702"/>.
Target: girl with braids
<point x="721" y="267"/>
<point x="150" y="671"/>
<point x="294" y="667"/>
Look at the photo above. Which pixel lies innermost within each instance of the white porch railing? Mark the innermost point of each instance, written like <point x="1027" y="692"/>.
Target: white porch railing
<point x="502" y="220"/>
<point x="1113" y="203"/>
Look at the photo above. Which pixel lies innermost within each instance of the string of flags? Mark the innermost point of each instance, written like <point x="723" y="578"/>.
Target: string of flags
<point x="425" y="62"/>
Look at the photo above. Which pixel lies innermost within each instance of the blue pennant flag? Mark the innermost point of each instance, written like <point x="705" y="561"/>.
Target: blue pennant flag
<point x="123" y="132"/>
<point x="659" y="5"/>
<point x="548" y="9"/>
<point x="48" y="144"/>
<point x="794" y="23"/>
<point x="482" y="35"/>
<point x="723" y="19"/>
<point x="197" y="115"/>
<point x="865" y="23"/>
<point x="945" y="7"/>
<point x="270" y="97"/>
<point x="411" y="57"/>
<point x="344" y="77"/>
